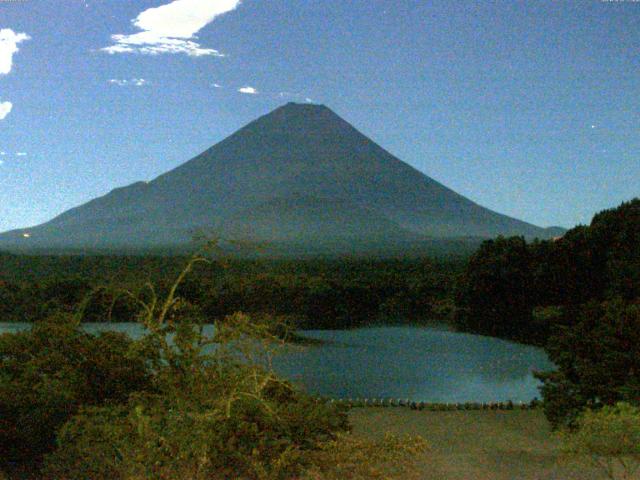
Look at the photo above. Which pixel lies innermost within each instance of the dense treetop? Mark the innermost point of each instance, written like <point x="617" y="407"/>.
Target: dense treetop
<point x="578" y="295"/>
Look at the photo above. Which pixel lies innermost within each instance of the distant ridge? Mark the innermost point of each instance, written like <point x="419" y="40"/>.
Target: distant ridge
<point x="300" y="175"/>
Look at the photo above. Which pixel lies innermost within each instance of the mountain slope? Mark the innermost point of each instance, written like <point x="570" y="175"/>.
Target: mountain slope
<point x="300" y="173"/>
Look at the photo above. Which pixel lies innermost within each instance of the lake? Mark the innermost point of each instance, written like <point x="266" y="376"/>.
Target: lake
<point x="420" y="364"/>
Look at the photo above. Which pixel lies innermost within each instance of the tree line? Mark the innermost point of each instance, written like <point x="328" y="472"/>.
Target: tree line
<point x="340" y="293"/>
<point x="578" y="296"/>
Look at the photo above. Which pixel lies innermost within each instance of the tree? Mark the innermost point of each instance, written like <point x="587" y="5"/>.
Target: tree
<point x="596" y="348"/>
<point x="617" y="233"/>
<point x="507" y="278"/>
<point x="494" y="296"/>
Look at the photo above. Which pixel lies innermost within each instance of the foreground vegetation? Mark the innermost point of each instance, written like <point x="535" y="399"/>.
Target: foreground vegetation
<point x="174" y="404"/>
<point x="610" y="437"/>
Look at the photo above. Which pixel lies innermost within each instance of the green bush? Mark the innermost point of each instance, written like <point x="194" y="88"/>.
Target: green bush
<point x="177" y="403"/>
<point x="608" y="436"/>
<point x="48" y="372"/>
<point x="349" y="457"/>
<point x="218" y="412"/>
<point x="188" y="436"/>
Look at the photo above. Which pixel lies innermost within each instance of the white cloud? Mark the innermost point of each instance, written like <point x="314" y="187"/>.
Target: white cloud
<point x="113" y="49"/>
<point x="5" y="109"/>
<point x="216" y="85"/>
<point x="9" y="41"/>
<point x="21" y="154"/>
<point x="248" y="90"/>
<point x="137" y="82"/>
<point x="171" y="28"/>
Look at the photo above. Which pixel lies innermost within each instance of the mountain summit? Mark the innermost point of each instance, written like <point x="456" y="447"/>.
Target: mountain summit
<point x="300" y="174"/>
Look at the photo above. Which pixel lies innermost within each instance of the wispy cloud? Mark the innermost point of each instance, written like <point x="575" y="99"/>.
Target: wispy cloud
<point x="5" y="109"/>
<point x="17" y="154"/>
<point x="172" y="28"/>
<point x="136" y="82"/>
<point x="216" y="85"/>
<point x="9" y="41"/>
<point x="296" y="96"/>
<point x="248" y="90"/>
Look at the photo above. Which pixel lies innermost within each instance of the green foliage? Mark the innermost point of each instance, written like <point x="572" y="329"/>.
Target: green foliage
<point x="597" y="354"/>
<point x="494" y="296"/>
<point x="577" y="295"/>
<point x="609" y="436"/>
<point x="618" y="232"/>
<point x="358" y="459"/>
<point x="217" y="411"/>
<point x="338" y="293"/>
<point x="507" y="280"/>
<point x="203" y="432"/>
<point x="48" y="372"/>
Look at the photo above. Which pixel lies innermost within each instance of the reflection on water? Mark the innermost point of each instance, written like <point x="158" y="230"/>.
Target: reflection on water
<point x="421" y="364"/>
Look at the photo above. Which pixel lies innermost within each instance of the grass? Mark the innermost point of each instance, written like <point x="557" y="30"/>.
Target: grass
<point x="478" y="445"/>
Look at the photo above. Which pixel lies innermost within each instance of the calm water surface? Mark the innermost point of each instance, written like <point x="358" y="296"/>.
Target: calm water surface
<point x="421" y="364"/>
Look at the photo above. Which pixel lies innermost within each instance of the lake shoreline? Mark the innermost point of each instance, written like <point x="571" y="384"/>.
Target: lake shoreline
<point x="426" y="365"/>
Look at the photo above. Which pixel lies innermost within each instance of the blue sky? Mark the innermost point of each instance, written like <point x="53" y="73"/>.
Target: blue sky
<point x="531" y="108"/>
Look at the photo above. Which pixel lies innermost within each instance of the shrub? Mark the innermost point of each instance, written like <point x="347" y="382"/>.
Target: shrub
<point x="609" y="436"/>
<point x="48" y="372"/>
<point x="358" y="459"/>
<point x="215" y="409"/>
<point x="218" y="413"/>
<point x="219" y="410"/>
<point x="193" y="435"/>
